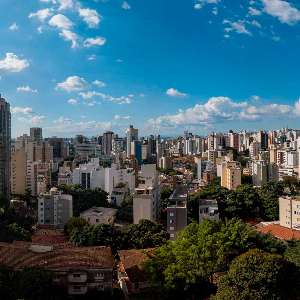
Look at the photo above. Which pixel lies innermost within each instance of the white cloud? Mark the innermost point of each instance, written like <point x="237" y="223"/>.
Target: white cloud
<point x="61" y="22"/>
<point x="226" y="36"/>
<point x="42" y="14"/>
<point x="80" y="127"/>
<point x="126" y="101"/>
<point x="73" y="83"/>
<point x="120" y="100"/>
<point x="125" y="5"/>
<point x="92" y="103"/>
<point x="98" y="41"/>
<point x="22" y="110"/>
<point x="68" y="35"/>
<point x="99" y="83"/>
<point x="90" y="95"/>
<point x="83" y="117"/>
<point x="255" y="23"/>
<point x="245" y="116"/>
<point x="26" y="89"/>
<point x="73" y="102"/>
<point x="175" y="93"/>
<point x="92" y="57"/>
<point x="117" y="117"/>
<point x="40" y="29"/>
<point x="48" y="1"/>
<point x="64" y="4"/>
<point x="255" y="98"/>
<point x="12" y="63"/>
<point x="14" y="27"/>
<point x="90" y="16"/>
<point x="216" y="110"/>
<point x="143" y="95"/>
<point x="119" y="60"/>
<point x="283" y="10"/>
<point x="254" y="12"/>
<point x="215" y="11"/>
<point x="63" y="120"/>
<point x="203" y="2"/>
<point x="130" y="96"/>
<point x="34" y="120"/>
<point x="239" y="27"/>
<point x="198" y="6"/>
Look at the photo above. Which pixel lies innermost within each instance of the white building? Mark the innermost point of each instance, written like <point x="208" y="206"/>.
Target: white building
<point x="254" y="149"/>
<point x="146" y="199"/>
<point x="203" y="165"/>
<point x="100" y="215"/>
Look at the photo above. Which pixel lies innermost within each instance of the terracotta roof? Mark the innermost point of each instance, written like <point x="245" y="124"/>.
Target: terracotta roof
<point x="131" y="262"/>
<point x="49" y="239"/>
<point x="48" y="232"/>
<point x="62" y="257"/>
<point x="281" y="232"/>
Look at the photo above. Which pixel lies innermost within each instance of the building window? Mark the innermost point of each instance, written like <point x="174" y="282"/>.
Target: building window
<point x="171" y="214"/>
<point x="99" y="276"/>
<point x="76" y="275"/>
<point x="172" y="235"/>
<point x="100" y="287"/>
<point x="42" y="209"/>
<point x="171" y="221"/>
<point x="171" y="228"/>
<point x="97" y="220"/>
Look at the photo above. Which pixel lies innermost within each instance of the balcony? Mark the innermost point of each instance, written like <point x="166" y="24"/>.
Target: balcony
<point x="77" y="277"/>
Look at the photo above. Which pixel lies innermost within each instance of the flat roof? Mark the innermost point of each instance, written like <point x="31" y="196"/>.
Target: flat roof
<point x="102" y="212"/>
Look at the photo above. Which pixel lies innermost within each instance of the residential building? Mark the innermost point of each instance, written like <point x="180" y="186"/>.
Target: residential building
<point x="208" y="175"/>
<point x="65" y="176"/>
<point x="100" y="215"/>
<point x="108" y="136"/>
<point x="289" y="212"/>
<point x="208" y="209"/>
<point x="37" y="135"/>
<point x="58" y="147"/>
<point x="119" y="193"/>
<point x="166" y="162"/>
<point x="131" y="135"/>
<point x="254" y="149"/>
<point x="54" y="209"/>
<point x="118" y="145"/>
<point x="231" y="175"/>
<point x="203" y="165"/>
<point x="18" y="171"/>
<point x="146" y="198"/>
<point x="88" y="149"/>
<point x="31" y="177"/>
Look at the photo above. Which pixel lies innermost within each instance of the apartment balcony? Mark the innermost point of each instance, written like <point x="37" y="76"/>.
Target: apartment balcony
<point x="77" y="289"/>
<point x="77" y="278"/>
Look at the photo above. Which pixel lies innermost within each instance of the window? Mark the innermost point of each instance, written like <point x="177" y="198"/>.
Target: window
<point x="97" y="220"/>
<point x="171" y="228"/>
<point x="171" y="221"/>
<point x="76" y="276"/>
<point x="100" y="287"/>
<point x="42" y="209"/>
<point x="171" y="214"/>
<point x="172" y="235"/>
<point x="99" y="276"/>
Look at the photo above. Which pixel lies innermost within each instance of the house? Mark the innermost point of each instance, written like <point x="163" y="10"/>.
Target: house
<point x="208" y="209"/>
<point x="100" y="215"/>
<point x="76" y="270"/>
<point x="133" y="279"/>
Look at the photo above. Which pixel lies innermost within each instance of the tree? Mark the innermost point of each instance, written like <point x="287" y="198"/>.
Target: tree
<point x="126" y="210"/>
<point x="269" y="194"/>
<point x="146" y="234"/>
<point x="292" y="183"/>
<point x="258" y="275"/>
<point x="246" y="179"/>
<point x="292" y="252"/>
<point x="74" y="223"/>
<point x="26" y="196"/>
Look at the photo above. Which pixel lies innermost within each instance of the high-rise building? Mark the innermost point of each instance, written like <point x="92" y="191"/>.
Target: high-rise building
<point x="5" y="130"/>
<point x="36" y="134"/>
<point x="18" y="171"/>
<point x="58" y="146"/>
<point x="108" y="137"/>
<point x="131" y="135"/>
<point x="231" y="175"/>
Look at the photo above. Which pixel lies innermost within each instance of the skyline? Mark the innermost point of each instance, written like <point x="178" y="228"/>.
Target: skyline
<point x="84" y="67"/>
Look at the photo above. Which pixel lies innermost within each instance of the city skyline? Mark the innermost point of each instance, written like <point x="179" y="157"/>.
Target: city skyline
<point x="89" y="67"/>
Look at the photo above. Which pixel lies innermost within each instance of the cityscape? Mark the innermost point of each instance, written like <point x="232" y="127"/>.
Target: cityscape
<point x="149" y="150"/>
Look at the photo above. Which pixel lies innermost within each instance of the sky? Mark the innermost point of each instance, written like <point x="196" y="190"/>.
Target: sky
<point x="84" y="67"/>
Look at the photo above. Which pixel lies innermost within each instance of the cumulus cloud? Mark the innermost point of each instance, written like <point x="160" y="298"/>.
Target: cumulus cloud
<point x="255" y="98"/>
<point x="198" y="6"/>
<point x="48" y="1"/>
<point x="14" y="27"/>
<point x="80" y="127"/>
<point x="119" y="100"/>
<point x="99" y="83"/>
<point x="83" y="117"/>
<point x="42" y="14"/>
<point x="98" y="41"/>
<point x="143" y="95"/>
<point x="255" y="23"/>
<point x="22" y="110"/>
<point x="40" y="29"/>
<point x="117" y="117"/>
<point x="63" y="120"/>
<point x="91" y="57"/>
<point x="282" y="10"/>
<point x="126" y="101"/>
<point x="61" y="22"/>
<point x="254" y="12"/>
<point x="125" y="5"/>
<point x="26" y="89"/>
<point x="175" y="93"/>
<point x="92" y="103"/>
<point x="119" y="60"/>
<point x="73" y="83"/>
<point x="68" y="35"/>
<point x="64" y="4"/>
<point x="12" y="63"/>
<point x="239" y="27"/>
<point x="90" y="16"/>
<point x="73" y="102"/>
<point x="34" y="120"/>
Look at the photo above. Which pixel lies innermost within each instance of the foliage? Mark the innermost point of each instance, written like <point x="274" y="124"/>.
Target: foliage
<point x="83" y="199"/>
<point x="146" y="234"/>
<point x="246" y="179"/>
<point x="258" y="275"/>
<point x="169" y="171"/>
<point x="26" y="196"/>
<point x="165" y="195"/>
<point x="120" y="185"/>
<point x="292" y="183"/>
<point x="126" y="210"/>
<point x="74" y="223"/>
<point x="201" y="250"/>
<point x="292" y="252"/>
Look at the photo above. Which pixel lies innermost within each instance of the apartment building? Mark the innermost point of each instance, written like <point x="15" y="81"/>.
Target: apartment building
<point x="100" y="215"/>
<point x="131" y="135"/>
<point x="254" y="149"/>
<point x="37" y="135"/>
<point x="31" y="177"/>
<point x="54" y="209"/>
<point x="18" y="171"/>
<point x="289" y="212"/>
<point x="88" y="149"/>
<point x="203" y="165"/>
<point x="65" y="176"/>
<point x="166" y="162"/>
<point x="231" y="175"/>
<point x="146" y="198"/>
<point x="208" y="209"/>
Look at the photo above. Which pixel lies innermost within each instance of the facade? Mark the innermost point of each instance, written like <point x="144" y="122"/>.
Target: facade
<point x="58" y="147"/>
<point x="118" y="145"/>
<point x="54" y="209"/>
<point x="131" y="135"/>
<point x="107" y="142"/>
<point x="88" y="149"/>
<point x="37" y="135"/>
<point x="254" y="149"/>
<point x="146" y="199"/>
<point x="31" y="177"/>
<point x="100" y="215"/>
<point x="208" y="209"/>
<point x="231" y="175"/>
<point x="289" y="212"/>
<point x="166" y="162"/>
<point x="18" y="171"/>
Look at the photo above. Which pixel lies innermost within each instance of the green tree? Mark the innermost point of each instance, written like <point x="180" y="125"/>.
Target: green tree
<point x="26" y="196"/>
<point x="292" y="252"/>
<point x="246" y="179"/>
<point x="146" y="234"/>
<point x="292" y="183"/>
<point x="74" y="223"/>
<point x="126" y="210"/>
<point x="258" y="275"/>
<point x="269" y="194"/>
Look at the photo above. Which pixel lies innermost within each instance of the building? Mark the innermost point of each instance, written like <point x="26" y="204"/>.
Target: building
<point x="88" y="149"/>
<point x="31" y="177"/>
<point x="118" y="145"/>
<point x="75" y="270"/>
<point x="131" y="135"/>
<point x="203" y="165"/>
<point x="146" y="198"/>
<point x="58" y="147"/>
<point x="5" y="130"/>
<point x="119" y="193"/>
<point x="65" y="176"/>
<point x="100" y="215"/>
<point x="18" y="171"/>
<point x="134" y="281"/>
<point x="208" y="176"/>
<point x="289" y="212"/>
<point x="231" y="175"/>
<point x="166" y="162"/>
<point x="108" y="137"/>
<point x="254" y="149"/>
<point x="208" y="209"/>
<point x="37" y="135"/>
<point x="54" y="209"/>
<point x="177" y="212"/>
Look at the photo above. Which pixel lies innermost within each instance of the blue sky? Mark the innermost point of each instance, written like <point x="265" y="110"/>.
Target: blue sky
<point x="164" y="66"/>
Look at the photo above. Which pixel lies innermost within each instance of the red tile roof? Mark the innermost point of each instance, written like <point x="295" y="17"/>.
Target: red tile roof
<point x="49" y="240"/>
<point x="281" y="232"/>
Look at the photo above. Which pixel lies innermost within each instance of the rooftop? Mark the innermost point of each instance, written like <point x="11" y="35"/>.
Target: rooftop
<point x="103" y="212"/>
<point x="281" y="232"/>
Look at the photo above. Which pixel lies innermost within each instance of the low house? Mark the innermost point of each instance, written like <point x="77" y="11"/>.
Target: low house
<point x="76" y="270"/>
<point x="100" y="215"/>
<point x="133" y="279"/>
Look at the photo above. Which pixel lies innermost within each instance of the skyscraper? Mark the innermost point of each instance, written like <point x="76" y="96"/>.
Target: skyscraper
<point x="5" y="131"/>
<point x="36" y="134"/>
<point x="131" y="135"/>
<point x="107" y="142"/>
